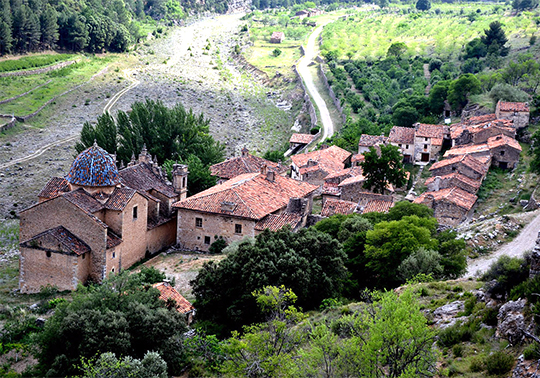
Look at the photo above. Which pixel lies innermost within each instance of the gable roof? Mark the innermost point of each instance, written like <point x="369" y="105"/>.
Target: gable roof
<point x="401" y="135"/>
<point x="240" y="165"/>
<point x="480" y="119"/>
<point x="55" y="187"/>
<point x="335" y="206"/>
<point x="275" y="222"/>
<point x="251" y="196"/>
<point x="467" y="149"/>
<point x="503" y="140"/>
<point x="302" y="138"/>
<point x="67" y="241"/>
<point x="119" y="198"/>
<point x="430" y="131"/>
<point x="166" y="292"/>
<point x="332" y="153"/>
<point x="83" y="200"/>
<point x="371" y="140"/>
<point x="141" y="177"/>
<point x="513" y="106"/>
<point x="454" y="195"/>
<point x="457" y="176"/>
<point x="500" y="124"/>
<point x="477" y="164"/>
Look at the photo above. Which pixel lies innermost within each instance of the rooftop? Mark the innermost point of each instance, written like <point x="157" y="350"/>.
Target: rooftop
<point x="478" y="164"/>
<point x="430" y="131"/>
<point x="64" y="240"/>
<point x="329" y="159"/>
<point x="246" y="163"/>
<point x="457" y="176"/>
<point x="168" y="292"/>
<point x="275" y="222"/>
<point x="334" y="206"/>
<point x="467" y="149"/>
<point x="251" y="195"/>
<point x="401" y="135"/>
<point x="503" y="140"/>
<point x="513" y="106"/>
<point x="480" y="119"/>
<point x="142" y="177"/>
<point x="371" y="140"/>
<point x="302" y="138"/>
<point x="93" y="167"/>
<point x="55" y="187"/>
<point x="454" y="195"/>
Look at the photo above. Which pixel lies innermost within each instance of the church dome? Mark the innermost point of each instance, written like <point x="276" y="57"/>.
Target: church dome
<point x="93" y="167"/>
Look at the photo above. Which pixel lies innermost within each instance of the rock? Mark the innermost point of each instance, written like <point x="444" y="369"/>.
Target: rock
<point x="40" y="322"/>
<point x="34" y="307"/>
<point x="511" y="321"/>
<point x="479" y="294"/>
<point x="523" y="202"/>
<point x="445" y="314"/>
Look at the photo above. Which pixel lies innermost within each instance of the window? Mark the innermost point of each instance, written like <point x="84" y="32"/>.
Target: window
<point x="183" y="182"/>
<point x="135" y="212"/>
<point x="114" y="255"/>
<point x="407" y="146"/>
<point x="198" y="222"/>
<point x="84" y="256"/>
<point x="207" y="240"/>
<point x="48" y="253"/>
<point x="502" y="153"/>
<point x="237" y="228"/>
<point x="425" y="139"/>
<point x="112" y="270"/>
<point x="399" y="145"/>
<point x="425" y="146"/>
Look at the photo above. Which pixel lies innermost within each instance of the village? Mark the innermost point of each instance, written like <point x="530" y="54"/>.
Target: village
<point x="99" y="220"/>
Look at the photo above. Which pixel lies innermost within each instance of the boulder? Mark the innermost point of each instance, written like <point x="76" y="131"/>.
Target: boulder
<point x="511" y="321"/>
<point x="445" y="315"/>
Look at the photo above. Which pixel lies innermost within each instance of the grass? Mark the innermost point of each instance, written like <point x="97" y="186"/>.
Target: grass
<point x="62" y="80"/>
<point x="370" y="34"/>
<point x="261" y="56"/>
<point x="32" y="62"/>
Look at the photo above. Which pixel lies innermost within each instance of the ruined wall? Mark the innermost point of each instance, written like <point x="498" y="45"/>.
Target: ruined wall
<point x="459" y="168"/>
<point x="521" y="119"/>
<point x="353" y="191"/>
<point x="192" y="237"/>
<point x="509" y="157"/>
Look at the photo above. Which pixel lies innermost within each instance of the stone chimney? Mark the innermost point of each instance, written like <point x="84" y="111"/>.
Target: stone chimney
<point x="264" y="169"/>
<point x="228" y="206"/>
<point x="144" y="156"/>
<point x="245" y="152"/>
<point x="435" y="185"/>
<point x="270" y="176"/>
<point x="179" y="176"/>
<point x="297" y="205"/>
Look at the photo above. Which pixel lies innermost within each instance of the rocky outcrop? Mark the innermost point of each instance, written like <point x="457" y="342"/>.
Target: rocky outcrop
<point x="239" y="6"/>
<point x="445" y="316"/>
<point x="511" y="321"/>
<point x="535" y="259"/>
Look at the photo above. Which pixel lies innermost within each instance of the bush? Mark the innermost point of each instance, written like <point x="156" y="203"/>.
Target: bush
<point x="508" y="272"/>
<point x="457" y="333"/>
<point x="476" y="365"/>
<point x="506" y="92"/>
<point x="532" y="351"/>
<point x="499" y="363"/>
<point x="457" y="350"/>
<point x="218" y="246"/>
<point x="276" y="52"/>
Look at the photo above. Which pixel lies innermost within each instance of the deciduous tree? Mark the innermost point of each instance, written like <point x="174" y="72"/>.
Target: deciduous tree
<point x="382" y="168"/>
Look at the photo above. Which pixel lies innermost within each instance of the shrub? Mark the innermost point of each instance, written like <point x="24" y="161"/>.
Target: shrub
<point x="457" y="333"/>
<point x="218" y="246"/>
<point x="506" y="92"/>
<point x="532" y="351"/>
<point x="476" y="365"/>
<point x="499" y="363"/>
<point x="457" y="350"/>
<point x="508" y="273"/>
<point x="489" y="317"/>
<point x="276" y="52"/>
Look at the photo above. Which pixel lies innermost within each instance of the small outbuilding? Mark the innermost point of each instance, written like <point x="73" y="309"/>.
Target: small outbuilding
<point x="277" y="37"/>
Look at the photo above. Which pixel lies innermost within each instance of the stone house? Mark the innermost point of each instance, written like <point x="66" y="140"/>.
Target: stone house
<point x="504" y="151"/>
<point x="450" y="206"/>
<point x="299" y="141"/>
<point x="463" y="134"/>
<point x="403" y="137"/>
<point x="169" y="294"/>
<point x="245" y="163"/>
<point x="476" y="150"/>
<point x="367" y="203"/>
<point x="428" y="141"/>
<point x="477" y="120"/>
<point x="335" y="206"/>
<point x="302" y="14"/>
<point x="314" y="166"/>
<point x="277" y="37"/>
<point x="241" y="207"/>
<point x="453" y="180"/>
<point x="331" y="188"/>
<point x="366" y="141"/>
<point x="518" y="112"/>
<point x="475" y="168"/>
<point x="91" y="223"/>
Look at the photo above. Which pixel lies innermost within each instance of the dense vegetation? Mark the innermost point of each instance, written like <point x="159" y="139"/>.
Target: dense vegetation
<point x="170" y="135"/>
<point x="93" y="26"/>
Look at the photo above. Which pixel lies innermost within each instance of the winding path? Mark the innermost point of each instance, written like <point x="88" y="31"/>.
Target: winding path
<point x="525" y="241"/>
<point x="305" y="74"/>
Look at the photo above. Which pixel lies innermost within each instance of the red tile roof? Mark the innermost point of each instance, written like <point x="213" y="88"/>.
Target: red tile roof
<point x="67" y="242"/>
<point x="478" y="164"/>
<point x="167" y="292"/>
<point x="401" y="135"/>
<point x="503" y="140"/>
<point x="377" y="206"/>
<point x="457" y="176"/>
<point x="302" y="138"/>
<point x="240" y="165"/>
<point x="112" y="239"/>
<point x="55" y="187"/>
<point x="141" y="177"/>
<point x="83" y="200"/>
<point x="251" y="196"/>
<point x="467" y="149"/>
<point x="371" y="140"/>
<point x="454" y="195"/>
<point x="513" y="106"/>
<point x="333" y="206"/>
<point x="331" y="160"/>
<point x="476" y="120"/>
<point x="352" y="180"/>
<point x="503" y="125"/>
<point x="358" y="158"/>
<point x="345" y="173"/>
<point x="275" y="222"/>
<point x="430" y="131"/>
<point x="119" y="198"/>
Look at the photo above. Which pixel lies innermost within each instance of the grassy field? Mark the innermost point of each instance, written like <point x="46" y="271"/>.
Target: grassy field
<point x="369" y="34"/>
<point x="60" y="81"/>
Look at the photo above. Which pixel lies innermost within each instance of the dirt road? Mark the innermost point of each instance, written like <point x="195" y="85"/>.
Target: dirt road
<point x="303" y="70"/>
<point x="525" y="241"/>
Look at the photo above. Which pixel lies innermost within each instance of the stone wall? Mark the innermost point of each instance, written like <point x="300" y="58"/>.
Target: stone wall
<point x="504" y="157"/>
<point x="335" y="100"/>
<point x="23" y="94"/>
<point x="133" y="246"/>
<point x="161" y="237"/>
<point x="192" y="237"/>
<point x="444" y="183"/>
<point x="459" y="168"/>
<point x="39" y="70"/>
<point x="8" y="125"/>
<point x="521" y="119"/>
<point x="353" y="192"/>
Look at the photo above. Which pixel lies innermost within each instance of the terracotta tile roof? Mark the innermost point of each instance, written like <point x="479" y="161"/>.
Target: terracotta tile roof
<point x="345" y="173"/>
<point x="503" y="140"/>
<point x="513" y="106"/>
<point x="250" y="196"/>
<point x="275" y="222"/>
<point x="480" y="119"/>
<point x="430" y="131"/>
<point x="119" y="198"/>
<point x="377" y="206"/>
<point x="278" y="35"/>
<point x="55" y="187"/>
<point x="302" y="138"/>
<point x="246" y="163"/>
<point x="371" y="140"/>
<point x="141" y="177"/>
<point x="112" y="239"/>
<point x="467" y="149"/>
<point x="93" y="167"/>
<point x="457" y="176"/>
<point x="358" y="158"/>
<point x="331" y="189"/>
<point x="503" y="125"/>
<point x="478" y="164"/>
<point x="334" y="154"/>
<point x="67" y="241"/>
<point x="168" y="292"/>
<point x="333" y="206"/>
<point x="352" y="180"/>
<point x="454" y="195"/>
<point x="401" y="135"/>
<point x="83" y="200"/>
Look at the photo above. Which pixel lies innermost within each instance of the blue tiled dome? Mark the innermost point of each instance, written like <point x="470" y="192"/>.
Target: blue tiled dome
<point x="93" y="167"/>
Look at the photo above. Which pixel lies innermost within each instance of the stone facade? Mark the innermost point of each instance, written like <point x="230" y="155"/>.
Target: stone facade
<point x="518" y="112"/>
<point x="450" y="206"/>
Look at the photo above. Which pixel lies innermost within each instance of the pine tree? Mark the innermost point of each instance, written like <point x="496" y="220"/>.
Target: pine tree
<point x="49" y="27"/>
<point x="5" y="38"/>
<point x="495" y="34"/>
